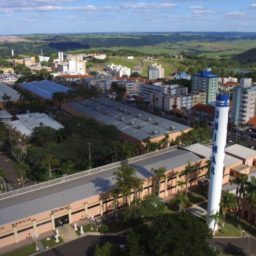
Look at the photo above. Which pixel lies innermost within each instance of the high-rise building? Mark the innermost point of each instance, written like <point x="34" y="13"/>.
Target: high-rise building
<point x="155" y="72"/>
<point x="206" y="81"/>
<point x="243" y="103"/>
<point x="61" y="56"/>
<point x="217" y="160"/>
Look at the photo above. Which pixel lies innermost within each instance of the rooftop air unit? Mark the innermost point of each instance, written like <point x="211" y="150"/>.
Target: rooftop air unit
<point x="155" y="132"/>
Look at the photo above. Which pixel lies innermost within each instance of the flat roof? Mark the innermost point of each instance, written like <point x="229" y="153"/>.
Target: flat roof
<point x="129" y="120"/>
<point x="26" y="123"/>
<point x="6" y="90"/>
<point x="81" y="186"/>
<point x="206" y="152"/>
<point x="241" y="151"/>
<point x="45" y="89"/>
<point x="5" y="114"/>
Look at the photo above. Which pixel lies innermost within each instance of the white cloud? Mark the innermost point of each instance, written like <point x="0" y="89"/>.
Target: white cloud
<point x="149" y="6"/>
<point x="253" y="5"/>
<point x="196" y="7"/>
<point x="200" y="10"/>
<point x="235" y="14"/>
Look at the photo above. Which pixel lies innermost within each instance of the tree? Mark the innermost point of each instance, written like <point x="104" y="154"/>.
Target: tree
<point x="125" y="181"/>
<point x="114" y="194"/>
<point x="188" y="170"/>
<point x="59" y="98"/>
<point x="133" y="241"/>
<point x="49" y="162"/>
<point x="22" y="172"/>
<point x="240" y="181"/>
<point x="3" y="187"/>
<point x="157" y="178"/>
<point x="182" y="201"/>
<point x="107" y="249"/>
<point x="250" y="188"/>
<point x="171" y="235"/>
<point x="146" y="209"/>
<point x="228" y="203"/>
<point x="216" y="219"/>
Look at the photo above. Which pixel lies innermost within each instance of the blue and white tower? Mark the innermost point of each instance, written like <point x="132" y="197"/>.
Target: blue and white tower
<point x="217" y="160"/>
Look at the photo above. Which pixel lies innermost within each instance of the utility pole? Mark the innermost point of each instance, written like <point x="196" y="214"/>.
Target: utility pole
<point x="90" y="156"/>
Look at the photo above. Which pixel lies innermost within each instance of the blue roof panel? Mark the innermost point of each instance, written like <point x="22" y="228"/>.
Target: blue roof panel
<point x="45" y="89"/>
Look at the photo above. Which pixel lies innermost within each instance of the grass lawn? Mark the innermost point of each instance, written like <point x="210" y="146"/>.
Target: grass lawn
<point x="229" y="230"/>
<point x="51" y="243"/>
<point x="87" y="228"/>
<point x="24" y="251"/>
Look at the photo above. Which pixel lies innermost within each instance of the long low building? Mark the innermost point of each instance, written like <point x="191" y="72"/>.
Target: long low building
<point x="26" y="123"/>
<point x="41" y="208"/>
<point x="135" y="125"/>
<point x="44" y="89"/>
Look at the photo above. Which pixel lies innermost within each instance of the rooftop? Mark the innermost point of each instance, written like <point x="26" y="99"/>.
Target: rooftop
<point x="204" y="108"/>
<point x="27" y="122"/>
<point x="5" y="114"/>
<point x="46" y="196"/>
<point x="206" y="152"/>
<point x="44" y="89"/>
<point x="241" y="151"/>
<point x="130" y="121"/>
<point x="7" y="93"/>
<point x="207" y="74"/>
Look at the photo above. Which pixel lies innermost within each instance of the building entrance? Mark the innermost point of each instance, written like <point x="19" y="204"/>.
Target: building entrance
<point x="60" y="221"/>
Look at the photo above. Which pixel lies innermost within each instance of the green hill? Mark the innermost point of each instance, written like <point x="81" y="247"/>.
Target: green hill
<point x="247" y="57"/>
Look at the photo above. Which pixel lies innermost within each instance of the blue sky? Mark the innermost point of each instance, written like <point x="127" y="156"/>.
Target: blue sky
<point x="60" y="16"/>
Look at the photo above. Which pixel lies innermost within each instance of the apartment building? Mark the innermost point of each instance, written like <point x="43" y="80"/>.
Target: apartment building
<point x="244" y="100"/>
<point x="208" y="82"/>
<point x="155" y="72"/>
<point x="173" y="89"/>
<point x="118" y="70"/>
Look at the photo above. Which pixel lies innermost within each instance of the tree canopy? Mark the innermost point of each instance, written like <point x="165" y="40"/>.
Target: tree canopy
<point x="170" y="234"/>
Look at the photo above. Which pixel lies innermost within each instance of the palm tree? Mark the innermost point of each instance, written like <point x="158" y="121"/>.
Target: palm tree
<point x="240" y="181"/>
<point x="2" y="180"/>
<point x="22" y="171"/>
<point x="188" y="169"/>
<point x="228" y="203"/>
<point x="125" y="181"/>
<point x="158" y="175"/>
<point x="48" y="162"/>
<point x="137" y="187"/>
<point x="216" y="218"/>
<point x="114" y="194"/>
<point x="181" y="183"/>
<point x="250" y="190"/>
<point x="182" y="200"/>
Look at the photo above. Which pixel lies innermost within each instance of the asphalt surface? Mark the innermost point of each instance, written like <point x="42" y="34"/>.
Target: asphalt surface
<point x="83" y="246"/>
<point x="236" y="246"/>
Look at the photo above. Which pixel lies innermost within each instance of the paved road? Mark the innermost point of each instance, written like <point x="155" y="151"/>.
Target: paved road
<point x="83" y="246"/>
<point x="236" y="246"/>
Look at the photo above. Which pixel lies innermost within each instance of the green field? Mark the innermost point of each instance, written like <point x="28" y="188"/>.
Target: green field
<point x="217" y="49"/>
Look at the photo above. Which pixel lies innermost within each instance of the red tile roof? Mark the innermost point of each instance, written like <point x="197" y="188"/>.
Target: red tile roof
<point x="203" y="108"/>
<point x="252" y="122"/>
